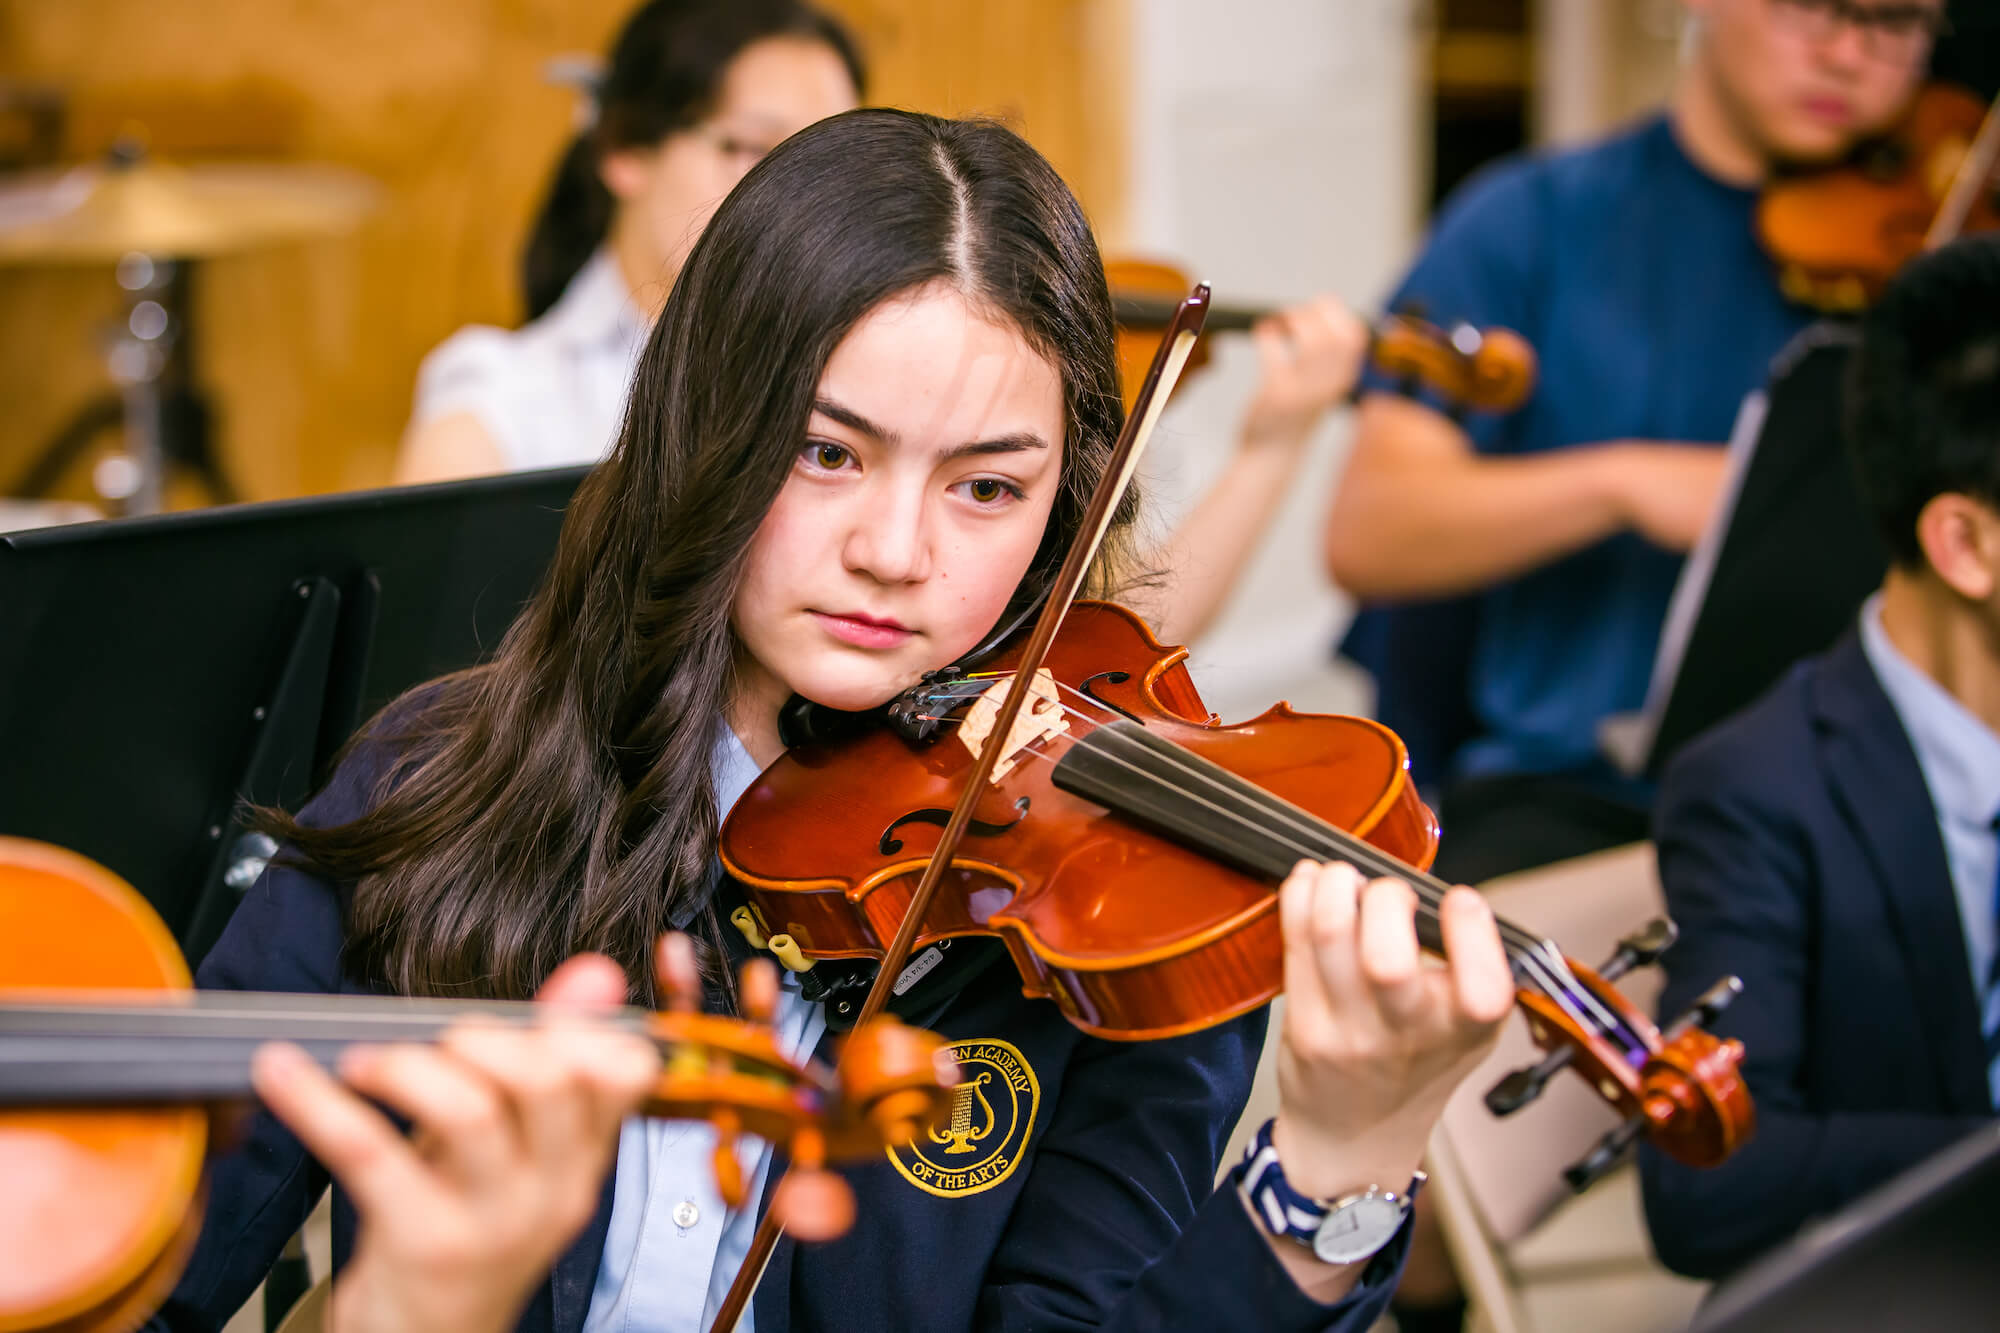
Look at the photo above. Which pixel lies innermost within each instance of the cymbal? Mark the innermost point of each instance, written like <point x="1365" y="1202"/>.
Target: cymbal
<point x="100" y="213"/>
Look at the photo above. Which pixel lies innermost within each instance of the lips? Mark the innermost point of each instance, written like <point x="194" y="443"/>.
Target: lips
<point x="862" y="630"/>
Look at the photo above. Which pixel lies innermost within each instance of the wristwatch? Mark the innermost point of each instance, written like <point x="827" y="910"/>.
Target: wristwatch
<point x="1340" y="1231"/>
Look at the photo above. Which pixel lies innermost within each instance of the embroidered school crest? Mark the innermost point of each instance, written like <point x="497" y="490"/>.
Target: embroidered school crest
<point x="985" y="1134"/>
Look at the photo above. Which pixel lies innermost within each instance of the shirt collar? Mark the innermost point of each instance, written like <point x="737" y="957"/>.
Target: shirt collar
<point x="733" y="770"/>
<point x="1959" y="754"/>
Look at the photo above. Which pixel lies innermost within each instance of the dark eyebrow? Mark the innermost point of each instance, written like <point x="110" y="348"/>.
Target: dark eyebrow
<point x="1014" y="443"/>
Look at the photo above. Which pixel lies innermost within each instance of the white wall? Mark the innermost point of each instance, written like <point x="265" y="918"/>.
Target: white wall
<point x="1276" y="154"/>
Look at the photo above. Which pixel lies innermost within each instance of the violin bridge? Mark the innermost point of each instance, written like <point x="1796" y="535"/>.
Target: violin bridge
<point x="1041" y="717"/>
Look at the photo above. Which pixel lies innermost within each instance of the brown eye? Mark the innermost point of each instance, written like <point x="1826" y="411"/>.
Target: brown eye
<point x="991" y="491"/>
<point x="832" y="457"/>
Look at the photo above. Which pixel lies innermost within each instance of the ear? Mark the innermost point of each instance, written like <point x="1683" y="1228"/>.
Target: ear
<point x="1961" y="541"/>
<point x="626" y="171"/>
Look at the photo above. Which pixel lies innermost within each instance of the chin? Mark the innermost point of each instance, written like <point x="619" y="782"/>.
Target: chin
<point x="1812" y="144"/>
<point x="856" y="686"/>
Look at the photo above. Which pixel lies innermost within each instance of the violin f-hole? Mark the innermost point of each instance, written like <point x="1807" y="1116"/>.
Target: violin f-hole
<point x="1089" y="689"/>
<point x="890" y="844"/>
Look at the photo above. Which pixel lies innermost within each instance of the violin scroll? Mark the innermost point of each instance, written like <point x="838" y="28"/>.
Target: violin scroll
<point x="1485" y="370"/>
<point x="1680" y="1088"/>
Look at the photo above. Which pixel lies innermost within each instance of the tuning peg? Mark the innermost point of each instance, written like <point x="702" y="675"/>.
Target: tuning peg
<point x="677" y="973"/>
<point x="1522" y="1086"/>
<point x="1642" y="948"/>
<point x="1706" y="1009"/>
<point x="1583" y="1174"/>
<point x="729" y="1180"/>
<point x="757" y="985"/>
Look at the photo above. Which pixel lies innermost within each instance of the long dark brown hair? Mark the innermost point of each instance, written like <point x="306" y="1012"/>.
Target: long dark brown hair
<point x="663" y="75"/>
<point x="559" y="797"/>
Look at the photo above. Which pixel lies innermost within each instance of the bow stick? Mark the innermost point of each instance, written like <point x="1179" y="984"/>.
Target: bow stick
<point x="1168" y="360"/>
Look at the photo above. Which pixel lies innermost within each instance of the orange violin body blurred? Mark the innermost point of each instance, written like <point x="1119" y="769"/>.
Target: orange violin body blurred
<point x="1840" y="234"/>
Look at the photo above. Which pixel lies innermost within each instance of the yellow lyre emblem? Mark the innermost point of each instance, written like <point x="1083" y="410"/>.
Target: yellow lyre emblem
<point x="992" y="1115"/>
<point x="963" y="1133"/>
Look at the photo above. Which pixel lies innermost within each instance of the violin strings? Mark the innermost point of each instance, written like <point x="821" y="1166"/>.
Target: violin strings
<point x="1536" y="955"/>
<point x="1432" y="896"/>
<point x="256" y="1017"/>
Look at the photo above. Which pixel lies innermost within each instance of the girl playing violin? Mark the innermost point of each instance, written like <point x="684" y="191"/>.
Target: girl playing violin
<point x="870" y="415"/>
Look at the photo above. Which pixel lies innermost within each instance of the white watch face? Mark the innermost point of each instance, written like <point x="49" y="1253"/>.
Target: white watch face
<point x="1357" y="1228"/>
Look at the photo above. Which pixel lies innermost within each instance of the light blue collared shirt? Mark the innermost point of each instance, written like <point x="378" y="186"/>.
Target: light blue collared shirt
<point x="1960" y="758"/>
<point x="672" y="1248"/>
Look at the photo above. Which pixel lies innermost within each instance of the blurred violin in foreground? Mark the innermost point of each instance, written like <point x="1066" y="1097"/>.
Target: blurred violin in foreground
<point x="110" y="1063"/>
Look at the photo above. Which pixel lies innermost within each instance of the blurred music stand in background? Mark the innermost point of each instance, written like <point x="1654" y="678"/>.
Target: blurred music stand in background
<point x="156" y="672"/>
<point x="1780" y="574"/>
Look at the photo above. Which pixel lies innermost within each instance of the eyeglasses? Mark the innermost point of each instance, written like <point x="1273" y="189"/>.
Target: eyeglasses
<point x="1891" y="33"/>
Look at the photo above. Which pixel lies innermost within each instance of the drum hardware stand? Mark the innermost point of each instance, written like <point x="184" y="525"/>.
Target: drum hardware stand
<point x="166" y="419"/>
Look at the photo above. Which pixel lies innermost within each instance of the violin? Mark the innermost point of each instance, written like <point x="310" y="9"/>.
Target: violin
<point x="110" y="1064"/>
<point x="1126" y="846"/>
<point x="1839" y="235"/>
<point x="1484" y="370"/>
<point x="1128" y="849"/>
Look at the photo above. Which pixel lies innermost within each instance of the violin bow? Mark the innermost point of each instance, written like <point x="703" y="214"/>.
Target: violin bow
<point x="1176" y="344"/>
<point x="1973" y="173"/>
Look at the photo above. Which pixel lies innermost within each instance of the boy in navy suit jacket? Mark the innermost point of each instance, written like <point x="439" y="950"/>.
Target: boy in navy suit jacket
<point x="1834" y="845"/>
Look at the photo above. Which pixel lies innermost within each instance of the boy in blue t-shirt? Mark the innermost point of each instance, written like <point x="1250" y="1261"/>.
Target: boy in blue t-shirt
<point x="1633" y="268"/>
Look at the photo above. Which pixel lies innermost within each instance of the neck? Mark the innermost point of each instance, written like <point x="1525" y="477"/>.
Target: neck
<point x="647" y="277"/>
<point x="1710" y="128"/>
<point x="1945" y="638"/>
<point x="753" y="712"/>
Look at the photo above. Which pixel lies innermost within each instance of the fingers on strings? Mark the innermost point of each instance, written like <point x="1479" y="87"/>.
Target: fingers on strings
<point x="1351" y="948"/>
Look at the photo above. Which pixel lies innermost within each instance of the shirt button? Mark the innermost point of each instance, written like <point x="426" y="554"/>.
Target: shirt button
<point x="686" y="1214"/>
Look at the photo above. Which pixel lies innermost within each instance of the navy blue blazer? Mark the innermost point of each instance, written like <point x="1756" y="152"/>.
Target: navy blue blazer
<point x="1800" y="851"/>
<point x="1092" y="1206"/>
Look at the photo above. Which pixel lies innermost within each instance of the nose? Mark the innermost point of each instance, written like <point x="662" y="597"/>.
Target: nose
<point x="889" y="537"/>
<point x="1846" y="47"/>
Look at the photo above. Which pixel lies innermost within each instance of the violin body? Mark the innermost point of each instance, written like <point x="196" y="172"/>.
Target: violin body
<point x="105" y="1199"/>
<point x="1840" y="234"/>
<point x="1132" y="935"/>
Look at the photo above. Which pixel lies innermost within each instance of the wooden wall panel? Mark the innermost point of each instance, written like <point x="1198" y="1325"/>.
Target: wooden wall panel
<point x="309" y="351"/>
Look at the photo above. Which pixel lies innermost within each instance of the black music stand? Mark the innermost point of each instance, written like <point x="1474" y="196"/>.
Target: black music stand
<point x="1918" y="1252"/>
<point x="157" y="671"/>
<point x="1790" y="561"/>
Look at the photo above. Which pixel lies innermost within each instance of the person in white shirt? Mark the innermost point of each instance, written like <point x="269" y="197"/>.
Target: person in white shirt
<point x="694" y="92"/>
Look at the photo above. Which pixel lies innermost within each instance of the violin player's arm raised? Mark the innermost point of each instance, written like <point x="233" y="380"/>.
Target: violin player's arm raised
<point x="1309" y="356"/>
<point x="1430" y="506"/>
